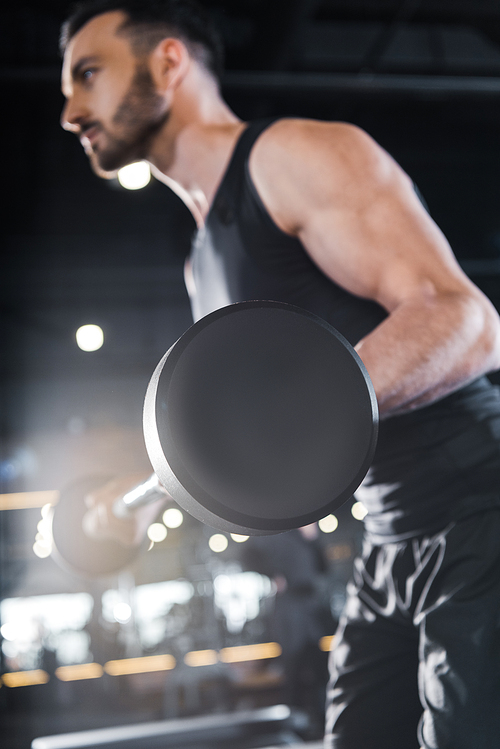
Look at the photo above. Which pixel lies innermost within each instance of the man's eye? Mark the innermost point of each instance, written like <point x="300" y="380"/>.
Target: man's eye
<point x="88" y="74"/>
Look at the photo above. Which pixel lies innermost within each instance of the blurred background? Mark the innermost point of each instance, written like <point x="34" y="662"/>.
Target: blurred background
<point x="194" y="625"/>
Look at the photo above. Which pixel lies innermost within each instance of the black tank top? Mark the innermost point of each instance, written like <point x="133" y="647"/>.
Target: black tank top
<point x="432" y="465"/>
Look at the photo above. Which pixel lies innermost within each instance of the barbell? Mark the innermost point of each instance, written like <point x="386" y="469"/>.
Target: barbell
<point x="259" y="419"/>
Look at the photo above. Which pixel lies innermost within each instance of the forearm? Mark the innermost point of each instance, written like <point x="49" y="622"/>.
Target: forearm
<point x="427" y="349"/>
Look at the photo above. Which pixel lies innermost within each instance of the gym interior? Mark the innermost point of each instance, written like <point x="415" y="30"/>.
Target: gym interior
<point x="202" y="638"/>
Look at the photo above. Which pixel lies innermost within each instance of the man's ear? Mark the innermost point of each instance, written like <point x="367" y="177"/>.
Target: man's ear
<point x="170" y="62"/>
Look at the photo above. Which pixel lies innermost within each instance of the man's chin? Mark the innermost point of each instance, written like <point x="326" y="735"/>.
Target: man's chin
<point x="99" y="170"/>
<point x="107" y="164"/>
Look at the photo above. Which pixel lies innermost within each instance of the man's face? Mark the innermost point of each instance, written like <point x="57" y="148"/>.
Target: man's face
<point x="111" y="101"/>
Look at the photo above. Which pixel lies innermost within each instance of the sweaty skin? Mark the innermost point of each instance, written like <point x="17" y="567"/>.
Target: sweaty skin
<point x="329" y="184"/>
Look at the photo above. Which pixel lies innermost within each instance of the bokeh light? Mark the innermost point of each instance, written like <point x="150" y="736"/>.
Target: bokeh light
<point x="8" y="631"/>
<point x="358" y="510"/>
<point x="134" y="176"/>
<point x="173" y="517"/>
<point x="42" y="549"/>
<point x="157" y="532"/>
<point x="218" y="542"/>
<point x="328" y="524"/>
<point x="122" y="612"/>
<point x="89" y="337"/>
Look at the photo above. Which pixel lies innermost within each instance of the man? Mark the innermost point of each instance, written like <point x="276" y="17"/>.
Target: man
<point x="316" y="214"/>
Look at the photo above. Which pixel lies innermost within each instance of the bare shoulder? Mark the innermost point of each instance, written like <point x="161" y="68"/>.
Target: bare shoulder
<point x="305" y="139"/>
<point x="296" y="162"/>
<point x="296" y="131"/>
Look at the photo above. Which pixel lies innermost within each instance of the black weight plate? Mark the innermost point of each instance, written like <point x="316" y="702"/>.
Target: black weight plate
<point x="261" y="418"/>
<point x="73" y="549"/>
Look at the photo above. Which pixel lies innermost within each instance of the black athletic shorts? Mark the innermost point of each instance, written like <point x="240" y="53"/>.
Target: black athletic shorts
<point x="416" y="661"/>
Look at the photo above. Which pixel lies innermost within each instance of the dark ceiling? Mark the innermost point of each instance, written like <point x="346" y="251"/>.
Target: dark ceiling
<point x="426" y="36"/>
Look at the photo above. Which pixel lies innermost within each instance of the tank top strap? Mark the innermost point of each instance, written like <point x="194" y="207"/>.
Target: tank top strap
<point x="235" y="169"/>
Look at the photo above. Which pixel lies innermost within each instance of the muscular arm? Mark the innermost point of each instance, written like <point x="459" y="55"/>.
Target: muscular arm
<point x="358" y="217"/>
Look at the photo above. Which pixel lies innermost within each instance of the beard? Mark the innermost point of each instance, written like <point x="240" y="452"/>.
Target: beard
<point x="137" y="120"/>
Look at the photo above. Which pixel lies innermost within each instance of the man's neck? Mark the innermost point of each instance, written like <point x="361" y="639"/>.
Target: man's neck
<point x="193" y="150"/>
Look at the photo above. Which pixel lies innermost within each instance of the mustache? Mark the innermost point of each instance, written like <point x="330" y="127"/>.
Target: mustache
<point x="86" y="125"/>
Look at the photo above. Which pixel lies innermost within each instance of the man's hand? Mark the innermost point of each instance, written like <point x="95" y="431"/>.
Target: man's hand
<point x="100" y="522"/>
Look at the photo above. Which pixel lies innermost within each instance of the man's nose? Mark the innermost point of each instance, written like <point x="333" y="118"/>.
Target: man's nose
<point x="72" y="115"/>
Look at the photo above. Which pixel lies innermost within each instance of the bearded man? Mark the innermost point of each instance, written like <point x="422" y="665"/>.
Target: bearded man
<point x="316" y="214"/>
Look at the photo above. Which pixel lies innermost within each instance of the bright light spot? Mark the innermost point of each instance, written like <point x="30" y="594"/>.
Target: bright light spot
<point x="328" y="524"/>
<point x="157" y="532"/>
<point x="43" y="527"/>
<point x="241" y="653"/>
<point x="89" y="337"/>
<point x="218" y="542"/>
<point x="42" y="549"/>
<point x="238" y="595"/>
<point x="79" y="671"/>
<point x="45" y="511"/>
<point x="25" y="678"/>
<point x="143" y="665"/>
<point x="122" y="612"/>
<point x="173" y="517"/>
<point x="201" y="658"/>
<point x="58" y="616"/>
<point x="239" y="539"/>
<point x="8" y="631"/>
<point x="134" y="176"/>
<point x="358" y="510"/>
<point x="326" y="643"/>
<point x="222" y="584"/>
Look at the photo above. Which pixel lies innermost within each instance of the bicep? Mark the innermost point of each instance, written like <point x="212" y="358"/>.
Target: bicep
<point x="354" y="210"/>
<point x="379" y="242"/>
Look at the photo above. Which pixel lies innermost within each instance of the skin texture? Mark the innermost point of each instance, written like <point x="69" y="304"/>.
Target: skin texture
<point x="329" y="184"/>
<point x="132" y="110"/>
<point x="367" y="230"/>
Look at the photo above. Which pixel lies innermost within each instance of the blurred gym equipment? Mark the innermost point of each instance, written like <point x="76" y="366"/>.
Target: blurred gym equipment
<point x="260" y="419"/>
<point x="243" y="729"/>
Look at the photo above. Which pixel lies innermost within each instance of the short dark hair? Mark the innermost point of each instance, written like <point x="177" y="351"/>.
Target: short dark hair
<point x="149" y="21"/>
